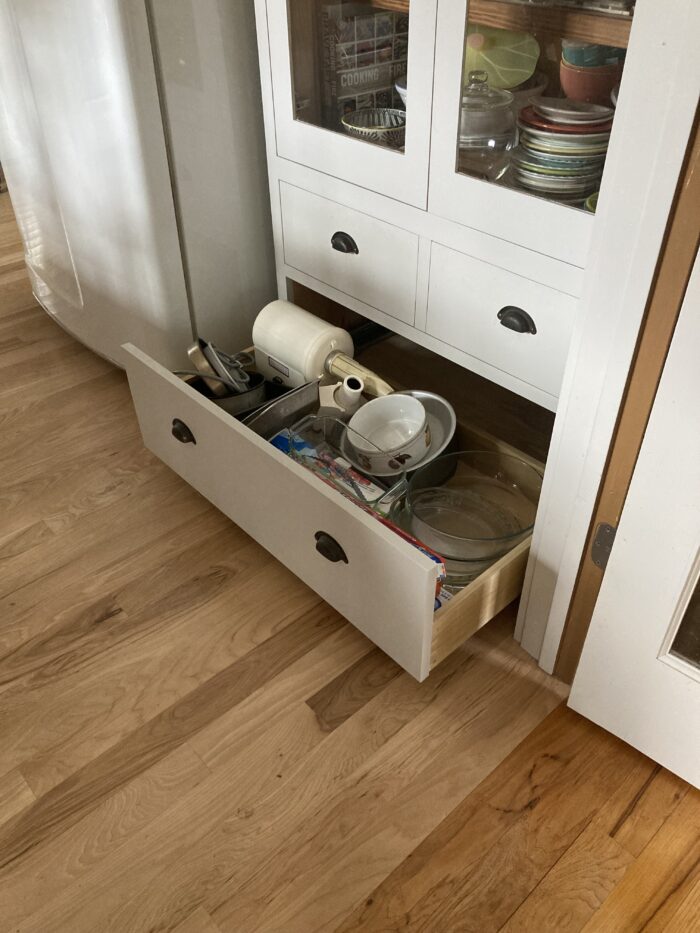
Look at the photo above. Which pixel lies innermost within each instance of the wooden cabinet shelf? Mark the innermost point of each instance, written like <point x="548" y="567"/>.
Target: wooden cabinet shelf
<point x="585" y="25"/>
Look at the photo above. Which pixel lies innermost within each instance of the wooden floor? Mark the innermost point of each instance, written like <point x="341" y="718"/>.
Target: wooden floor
<point x="191" y="740"/>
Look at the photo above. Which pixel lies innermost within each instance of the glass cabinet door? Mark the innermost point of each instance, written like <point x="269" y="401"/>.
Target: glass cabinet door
<point x="538" y="84"/>
<point x="341" y="71"/>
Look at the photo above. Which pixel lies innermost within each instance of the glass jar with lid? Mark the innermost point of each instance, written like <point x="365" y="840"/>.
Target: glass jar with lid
<point x="487" y="130"/>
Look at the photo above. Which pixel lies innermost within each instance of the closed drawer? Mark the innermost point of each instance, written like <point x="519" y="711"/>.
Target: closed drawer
<point x="382" y="585"/>
<point x="382" y="273"/>
<point x="465" y="297"/>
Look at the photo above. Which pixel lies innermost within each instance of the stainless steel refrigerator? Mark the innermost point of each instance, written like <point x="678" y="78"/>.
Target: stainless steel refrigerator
<point x="132" y="140"/>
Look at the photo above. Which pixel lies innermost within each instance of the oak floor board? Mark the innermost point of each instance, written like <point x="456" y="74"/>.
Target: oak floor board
<point x="339" y="857"/>
<point x="92" y="528"/>
<point x="50" y="371"/>
<point x="458" y="846"/>
<point x="198" y="922"/>
<point x="687" y="917"/>
<point x="137" y="876"/>
<point x="654" y="888"/>
<point x="66" y="859"/>
<point x="60" y="807"/>
<point x="195" y="644"/>
<point x="427" y="749"/>
<point x="341" y="698"/>
<point x="657" y="800"/>
<point x="486" y="896"/>
<point x="15" y="794"/>
<point x="115" y="559"/>
<point x="181" y="870"/>
<point x="192" y="741"/>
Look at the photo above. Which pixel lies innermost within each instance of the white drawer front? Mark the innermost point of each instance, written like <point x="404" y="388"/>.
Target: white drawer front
<point x="381" y="274"/>
<point x="386" y="588"/>
<point x="464" y="298"/>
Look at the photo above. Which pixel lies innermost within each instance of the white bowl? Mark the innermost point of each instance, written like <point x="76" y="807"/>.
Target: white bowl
<point x="389" y="433"/>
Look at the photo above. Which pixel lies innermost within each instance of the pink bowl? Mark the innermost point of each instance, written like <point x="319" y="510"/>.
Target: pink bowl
<point x="592" y="85"/>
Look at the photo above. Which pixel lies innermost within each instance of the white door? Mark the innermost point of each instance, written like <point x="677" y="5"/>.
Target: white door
<point x="339" y="60"/>
<point x="639" y="675"/>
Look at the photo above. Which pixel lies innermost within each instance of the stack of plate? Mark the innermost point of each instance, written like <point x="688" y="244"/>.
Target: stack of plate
<point x="562" y="148"/>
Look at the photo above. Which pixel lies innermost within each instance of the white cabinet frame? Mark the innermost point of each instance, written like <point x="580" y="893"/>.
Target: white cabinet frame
<point x="539" y="224"/>
<point x="637" y="196"/>
<point x="403" y="176"/>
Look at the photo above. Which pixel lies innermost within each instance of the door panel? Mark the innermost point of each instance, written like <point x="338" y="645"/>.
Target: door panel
<point x="333" y="63"/>
<point x="639" y="675"/>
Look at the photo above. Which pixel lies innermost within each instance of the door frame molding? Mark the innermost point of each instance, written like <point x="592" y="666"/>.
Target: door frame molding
<point x="637" y="197"/>
<point x="668" y="293"/>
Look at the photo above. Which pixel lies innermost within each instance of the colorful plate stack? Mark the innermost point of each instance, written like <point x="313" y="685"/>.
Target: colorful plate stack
<point x="562" y="148"/>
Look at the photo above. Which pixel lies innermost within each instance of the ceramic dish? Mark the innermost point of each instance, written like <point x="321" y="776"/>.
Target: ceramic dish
<point x="389" y="433"/>
<point x="442" y="422"/>
<point x="561" y="110"/>
<point x="378" y="125"/>
<point x="592" y="202"/>
<point x="530" y="118"/>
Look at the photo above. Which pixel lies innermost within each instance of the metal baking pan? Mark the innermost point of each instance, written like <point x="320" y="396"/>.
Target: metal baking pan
<point x="284" y="411"/>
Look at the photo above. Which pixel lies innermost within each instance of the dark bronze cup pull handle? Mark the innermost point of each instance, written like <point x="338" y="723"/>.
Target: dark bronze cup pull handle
<point x="182" y="433"/>
<point x="329" y="548"/>
<point x="344" y="243"/>
<point x="516" y="319"/>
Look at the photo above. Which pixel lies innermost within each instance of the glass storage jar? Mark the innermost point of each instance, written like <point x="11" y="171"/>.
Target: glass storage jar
<point x="487" y="130"/>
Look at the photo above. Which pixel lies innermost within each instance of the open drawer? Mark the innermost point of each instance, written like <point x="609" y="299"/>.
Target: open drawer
<point x="379" y="582"/>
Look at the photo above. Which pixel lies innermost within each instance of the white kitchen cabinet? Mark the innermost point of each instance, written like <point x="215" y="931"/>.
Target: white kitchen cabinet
<point x="300" y="35"/>
<point x="453" y="264"/>
<point x="325" y="62"/>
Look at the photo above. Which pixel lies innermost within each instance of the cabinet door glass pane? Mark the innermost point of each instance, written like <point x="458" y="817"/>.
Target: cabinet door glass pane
<point x="540" y="85"/>
<point x="349" y="64"/>
<point x="686" y="644"/>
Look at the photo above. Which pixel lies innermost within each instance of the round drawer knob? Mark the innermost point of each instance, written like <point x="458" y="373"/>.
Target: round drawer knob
<point x="516" y="319"/>
<point x="182" y="433"/>
<point x="344" y="243"/>
<point x="329" y="548"/>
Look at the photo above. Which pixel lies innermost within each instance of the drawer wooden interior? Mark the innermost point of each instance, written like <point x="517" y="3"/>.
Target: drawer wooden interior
<point x="385" y="587"/>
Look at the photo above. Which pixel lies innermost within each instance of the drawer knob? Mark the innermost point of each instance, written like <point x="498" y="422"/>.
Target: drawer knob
<point x="516" y="319"/>
<point x="344" y="243"/>
<point x="182" y="433"/>
<point x="329" y="548"/>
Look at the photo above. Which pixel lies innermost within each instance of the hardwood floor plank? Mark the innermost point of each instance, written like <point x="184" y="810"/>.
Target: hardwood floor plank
<point x="20" y="542"/>
<point x="208" y="838"/>
<point x="664" y="875"/>
<point x="477" y="852"/>
<point x="175" y="845"/>
<point x="192" y="645"/>
<point x="62" y="806"/>
<point x="575" y="887"/>
<point x="687" y="917"/>
<point x="69" y="857"/>
<point x="656" y="802"/>
<point x="117" y="559"/>
<point x="340" y="699"/>
<point x="353" y="823"/>
<point x="15" y="795"/>
<point x="198" y="922"/>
